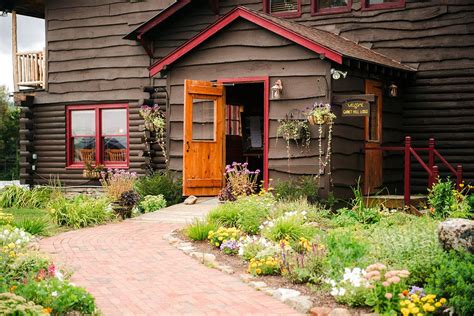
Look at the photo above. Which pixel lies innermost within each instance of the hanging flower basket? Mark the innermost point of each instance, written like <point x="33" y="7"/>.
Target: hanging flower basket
<point x="320" y="114"/>
<point x="294" y="130"/>
<point x="91" y="174"/>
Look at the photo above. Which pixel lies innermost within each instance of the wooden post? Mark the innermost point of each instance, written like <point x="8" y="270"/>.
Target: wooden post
<point x="14" y="52"/>
<point x="407" y="170"/>
<point x="431" y="147"/>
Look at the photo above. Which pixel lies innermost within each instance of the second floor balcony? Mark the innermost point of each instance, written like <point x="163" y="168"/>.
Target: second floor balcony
<point x="29" y="70"/>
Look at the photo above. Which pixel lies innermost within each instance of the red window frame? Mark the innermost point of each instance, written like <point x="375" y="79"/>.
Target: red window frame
<point x="297" y="14"/>
<point x="380" y="6"/>
<point x="315" y="10"/>
<point x="71" y="164"/>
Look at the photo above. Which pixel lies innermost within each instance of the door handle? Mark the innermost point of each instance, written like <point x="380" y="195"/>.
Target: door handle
<point x="187" y="147"/>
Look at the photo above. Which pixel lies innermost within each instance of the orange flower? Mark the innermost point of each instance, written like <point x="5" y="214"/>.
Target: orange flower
<point x="13" y="288"/>
<point x="405" y="292"/>
<point x="47" y="310"/>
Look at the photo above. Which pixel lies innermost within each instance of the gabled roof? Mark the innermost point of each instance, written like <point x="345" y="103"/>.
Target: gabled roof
<point x="157" y="19"/>
<point x="333" y="47"/>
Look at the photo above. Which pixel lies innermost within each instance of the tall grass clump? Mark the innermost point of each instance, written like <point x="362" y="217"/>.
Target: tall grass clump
<point x="20" y="197"/>
<point x="80" y="211"/>
<point x="199" y="229"/>
<point x="165" y="183"/>
<point x="36" y="226"/>
<point x="288" y="227"/>
<point x="305" y="187"/>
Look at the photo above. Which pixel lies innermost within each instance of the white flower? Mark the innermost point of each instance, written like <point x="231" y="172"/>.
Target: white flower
<point x="271" y="224"/>
<point x="304" y="213"/>
<point x="54" y="294"/>
<point x="334" y="291"/>
<point x="342" y="291"/>
<point x="59" y="275"/>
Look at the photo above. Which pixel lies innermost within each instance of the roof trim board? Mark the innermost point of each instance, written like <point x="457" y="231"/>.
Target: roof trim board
<point x="241" y="12"/>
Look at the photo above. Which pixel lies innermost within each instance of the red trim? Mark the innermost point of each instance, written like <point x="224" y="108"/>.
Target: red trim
<point x="241" y="12"/>
<point x="315" y="10"/>
<point x="288" y="15"/>
<point x="266" y="104"/>
<point x="70" y="163"/>
<point x="381" y="6"/>
<point x="139" y="32"/>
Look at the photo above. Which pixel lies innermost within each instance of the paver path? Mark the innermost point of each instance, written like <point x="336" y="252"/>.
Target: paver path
<point x="131" y="270"/>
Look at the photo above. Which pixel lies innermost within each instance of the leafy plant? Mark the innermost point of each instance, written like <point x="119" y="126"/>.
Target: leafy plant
<point x="80" y="211"/>
<point x="290" y="227"/>
<point x="36" y="226"/>
<point x="155" y="122"/>
<point x="21" y="197"/>
<point x="199" y="229"/>
<point x="129" y="199"/>
<point x="164" y="183"/>
<point x="5" y="218"/>
<point x="345" y="250"/>
<point x="153" y="203"/>
<point x="264" y="266"/>
<point x="291" y="129"/>
<point x="12" y="304"/>
<point x="239" y="181"/>
<point x="9" y="137"/>
<point x="59" y="296"/>
<point x="445" y="201"/>
<point x="251" y="246"/>
<point x="117" y="181"/>
<point x="226" y="214"/>
<point x="308" y="266"/>
<point x="306" y="187"/>
<point x="453" y="278"/>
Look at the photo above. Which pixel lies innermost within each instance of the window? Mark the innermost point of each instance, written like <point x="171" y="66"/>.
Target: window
<point x="331" y="6"/>
<point x="382" y="4"/>
<point x="97" y="134"/>
<point x="283" y="8"/>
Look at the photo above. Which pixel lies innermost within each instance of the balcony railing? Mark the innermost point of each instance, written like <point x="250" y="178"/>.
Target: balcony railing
<point x="30" y="69"/>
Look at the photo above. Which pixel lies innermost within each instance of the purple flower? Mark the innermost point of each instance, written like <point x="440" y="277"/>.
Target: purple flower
<point x="418" y="291"/>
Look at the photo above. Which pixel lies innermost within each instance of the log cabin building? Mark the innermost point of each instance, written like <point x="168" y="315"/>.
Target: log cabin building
<point x="215" y="67"/>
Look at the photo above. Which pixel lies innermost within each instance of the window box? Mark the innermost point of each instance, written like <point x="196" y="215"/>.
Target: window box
<point x="320" y="7"/>
<point x="382" y="4"/>
<point x="97" y="135"/>
<point x="283" y="8"/>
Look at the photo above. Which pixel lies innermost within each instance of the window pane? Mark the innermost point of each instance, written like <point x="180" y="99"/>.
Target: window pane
<point x="115" y="148"/>
<point x="203" y="119"/>
<point x="83" y="123"/>
<point x="283" y="6"/>
<point x="381" y="1"/>
<point x="84" y="149"/>
<point x="326" y="4"/>
<point x="114" y="122"/>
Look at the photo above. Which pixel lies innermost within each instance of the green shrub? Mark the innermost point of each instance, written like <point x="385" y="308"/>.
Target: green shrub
<point x="254" y="210"/>
<point x="36" y="226"/>
<point x="454" y="279"/>
<point x="60" y="296"/>
<point x="25" y="265"/>
<point x="165" y="183"/>
<point x="199" y="230"/>
<point x="413" y="246"/>
<point x="346" y="249"/>
<point x="21" y="197"/>
<point x="80" y="211"/>
<point x="226" y="214"/>
<point x="11" y="304"/>
<point x="445" y="201"/>
<point x="153" y="203"/>
<point x="306" y="187"/>
<point x="290" y="227"/>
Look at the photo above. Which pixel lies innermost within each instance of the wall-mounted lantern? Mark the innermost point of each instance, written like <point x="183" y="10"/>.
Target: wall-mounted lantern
<point x="393" y="90"/>
<point x="336" y="74"/>
<point x="277" y="90"/>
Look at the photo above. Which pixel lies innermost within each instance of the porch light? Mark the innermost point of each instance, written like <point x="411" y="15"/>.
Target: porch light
<point x="276" y="90"/>
<point x="336" y="74"/>
<point x="393" y="90"/>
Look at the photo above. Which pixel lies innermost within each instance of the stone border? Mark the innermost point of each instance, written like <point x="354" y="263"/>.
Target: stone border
<point x="293" y="298"/>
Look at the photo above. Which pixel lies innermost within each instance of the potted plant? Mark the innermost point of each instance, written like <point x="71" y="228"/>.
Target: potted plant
<point x="92" y="171"/>
<point x="320" y="114"/>
<point x="294" y="130"/>
<point x="125" y="204"/>
<point x="154" y="118"/>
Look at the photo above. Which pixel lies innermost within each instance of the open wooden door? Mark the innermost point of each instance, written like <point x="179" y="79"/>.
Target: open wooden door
<point x="373" y="178"/>
<point x="204" y="137"/>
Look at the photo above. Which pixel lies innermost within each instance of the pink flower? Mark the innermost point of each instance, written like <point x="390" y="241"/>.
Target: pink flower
<point x="388" y="295"/>
<point x="394" y="279"/>
<point x="385" y="283"/>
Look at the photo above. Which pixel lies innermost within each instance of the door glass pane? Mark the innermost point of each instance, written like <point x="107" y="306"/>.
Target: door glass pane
<point x="326" y="4"/>
<point x="84" y="149"/>
<point x="203" y="119"/>
<point x="83" y="123"/>
<point x="374" y="121"/>
<point x="382" y="1"/>
<point x="277" y="6"/>
<point x="114" y="122"/>
<point x="115" y="148"/>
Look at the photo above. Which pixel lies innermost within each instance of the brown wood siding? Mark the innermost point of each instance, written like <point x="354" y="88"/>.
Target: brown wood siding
<point x="301" y="71"/>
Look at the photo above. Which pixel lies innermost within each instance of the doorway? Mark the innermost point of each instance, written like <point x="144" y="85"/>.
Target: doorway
<point x="245" y="125"/>
<point x="373" y="177"/>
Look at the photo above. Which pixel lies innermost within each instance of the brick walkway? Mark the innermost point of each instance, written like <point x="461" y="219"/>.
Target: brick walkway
<point x="131" y="270"/>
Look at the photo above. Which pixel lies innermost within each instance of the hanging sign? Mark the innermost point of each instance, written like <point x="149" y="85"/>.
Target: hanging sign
<point x="355" y="108"/>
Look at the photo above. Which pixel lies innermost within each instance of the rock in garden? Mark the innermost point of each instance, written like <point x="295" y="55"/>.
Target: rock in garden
<point x="190" y="200"/>
<point x="245" y="277"/>
<point x="340" y="312"/>
<point x="457" y="233"/>
<point x="301" y="303"/>
<point x="284" y="294"/>
<point x="258" y="285"/>
<point x="320" y="311"/>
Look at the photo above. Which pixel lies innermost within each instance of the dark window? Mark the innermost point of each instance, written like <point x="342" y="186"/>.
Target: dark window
<point x="382" y="4"/>
<point x="331" y="6"/>
<point x="283" y="8"/>
<point x="97" y="134"/>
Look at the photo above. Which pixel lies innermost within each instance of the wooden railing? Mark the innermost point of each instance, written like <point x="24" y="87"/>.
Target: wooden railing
<point x="430" y="168"/>
<point x="30" y="69"/>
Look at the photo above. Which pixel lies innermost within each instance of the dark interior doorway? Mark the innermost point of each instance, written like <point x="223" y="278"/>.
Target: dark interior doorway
<point x="245" y="125"/>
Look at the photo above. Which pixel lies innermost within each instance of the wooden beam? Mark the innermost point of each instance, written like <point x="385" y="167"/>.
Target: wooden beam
<point x="14" y="52"/>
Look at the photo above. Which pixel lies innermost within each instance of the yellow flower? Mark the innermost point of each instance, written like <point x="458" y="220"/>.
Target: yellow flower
<point x="442" y="300"/>
<point x="405" y="311"/>
<point x="217" y="244"/>
<point x="415" y="310"/>
<point x="258" y="271"/>
<point x="438" y="304"/>
<point x="11" y="245"/>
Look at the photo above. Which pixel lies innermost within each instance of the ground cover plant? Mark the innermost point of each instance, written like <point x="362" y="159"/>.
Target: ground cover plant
<point x="362" y="255"/>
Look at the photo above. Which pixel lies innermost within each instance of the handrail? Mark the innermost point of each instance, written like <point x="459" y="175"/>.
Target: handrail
<point x="430" y="168"/>
<point x="30" y="69"/>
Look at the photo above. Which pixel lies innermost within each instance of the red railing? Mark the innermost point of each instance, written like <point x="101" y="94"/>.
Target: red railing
<point x="431" y="168"/>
